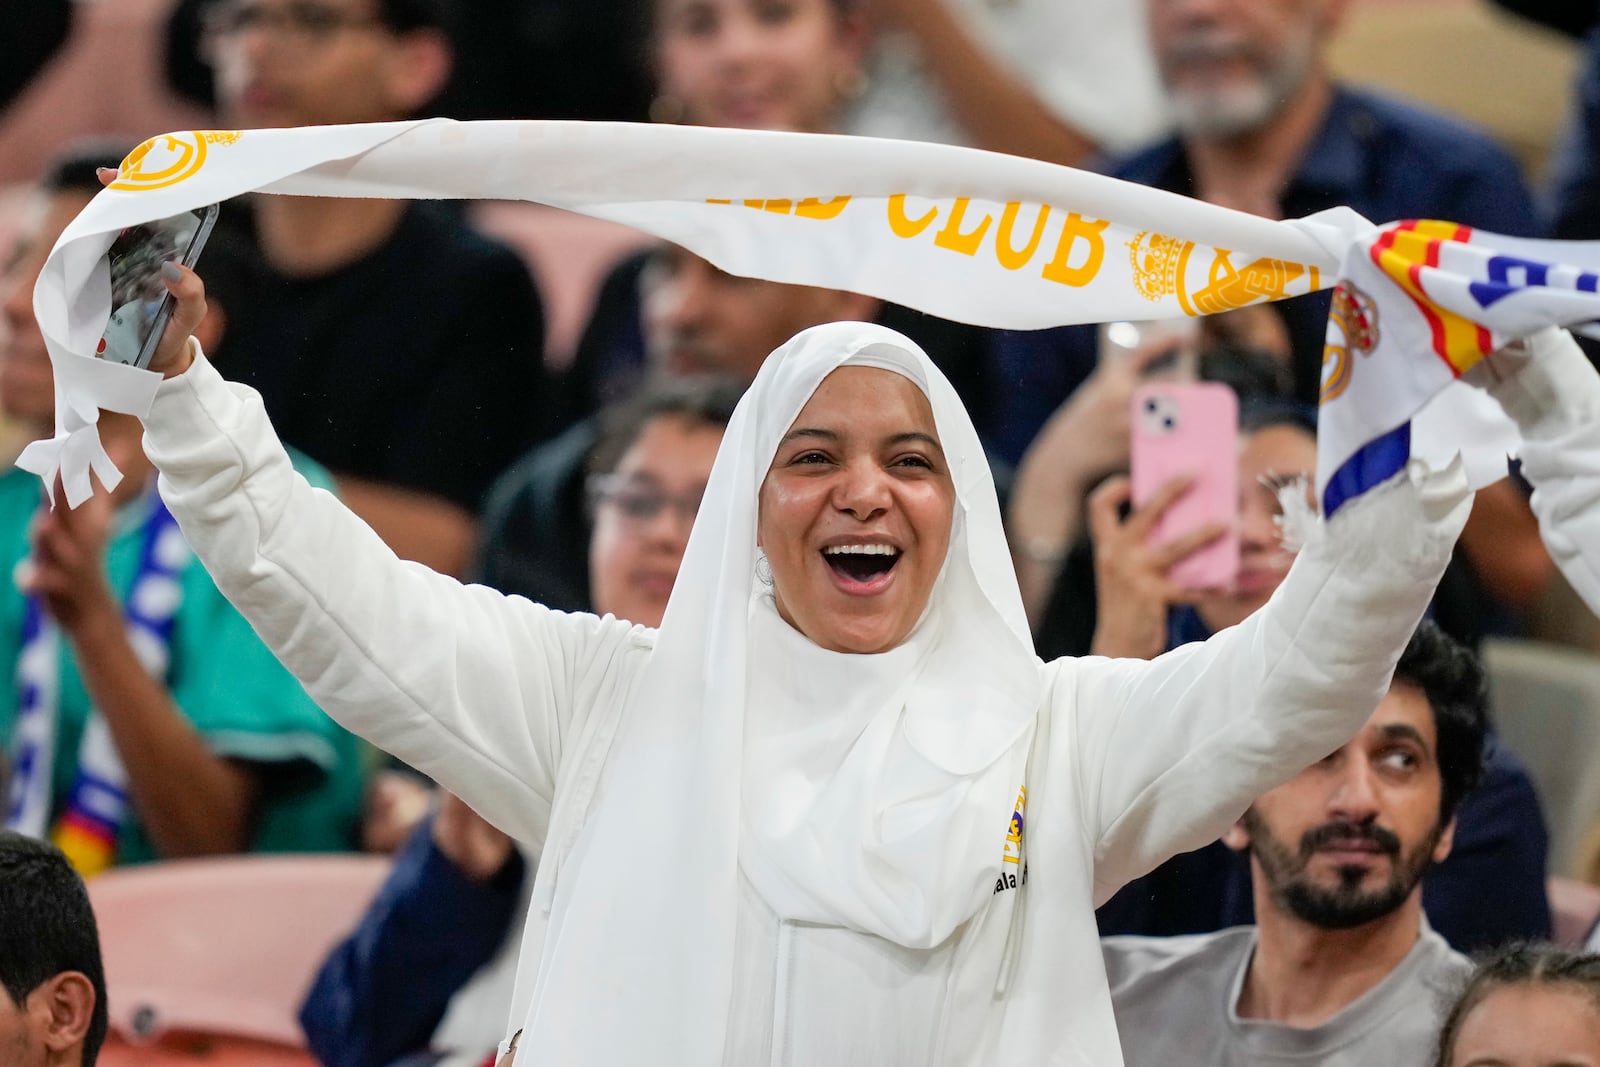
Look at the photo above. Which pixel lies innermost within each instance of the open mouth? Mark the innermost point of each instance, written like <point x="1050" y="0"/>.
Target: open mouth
<point x="861" y="565"/>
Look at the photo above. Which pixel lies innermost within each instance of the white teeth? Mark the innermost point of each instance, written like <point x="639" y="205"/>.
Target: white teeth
<point x="860" y="550"/>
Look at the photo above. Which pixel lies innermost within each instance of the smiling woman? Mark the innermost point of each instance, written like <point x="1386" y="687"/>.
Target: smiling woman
<point x="856" y="510"/>
<point x="873" y="826"/>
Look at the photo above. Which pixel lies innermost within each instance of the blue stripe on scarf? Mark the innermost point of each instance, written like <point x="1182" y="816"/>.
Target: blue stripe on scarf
<point x="1374" y="463"/>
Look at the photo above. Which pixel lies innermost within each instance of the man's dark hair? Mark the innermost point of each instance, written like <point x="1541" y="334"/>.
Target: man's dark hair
<point x="72" y="170"/>
<point x="1520" y="964"/>
<point x="403" y="16"/>
<point x="1452" y="679"/>
<point x="700" y="400"/>
<point x="47" y="928"/>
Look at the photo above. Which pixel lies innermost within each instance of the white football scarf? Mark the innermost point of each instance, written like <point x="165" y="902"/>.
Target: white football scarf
<point x="973" y="236"/>
<point x="968" y="235"/>
<point x="876" y="790"/>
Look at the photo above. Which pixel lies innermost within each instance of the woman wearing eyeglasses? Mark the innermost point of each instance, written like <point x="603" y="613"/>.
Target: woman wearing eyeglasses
<point x="427" y="975"/>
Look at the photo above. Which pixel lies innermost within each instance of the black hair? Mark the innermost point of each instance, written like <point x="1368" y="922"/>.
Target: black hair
<point x="1519" y="964"/>
<point x="73" y="169"/>
<point x="1254" y="374"/>
<point x="701" y="400"/>
<point x="47" y="928"/>
<point x="1265" y="413"/>
<point x="1453" y="680"/>
<point x="404" y="16"/>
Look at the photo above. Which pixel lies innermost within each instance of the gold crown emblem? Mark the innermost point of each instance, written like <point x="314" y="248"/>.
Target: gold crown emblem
<point x="1157" y="262"/>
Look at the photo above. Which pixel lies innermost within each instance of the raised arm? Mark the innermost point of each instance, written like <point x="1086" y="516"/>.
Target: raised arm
<point x="1167" y="753"/>
<point x="475" y="689"/>
<point x="1551" y="391"/>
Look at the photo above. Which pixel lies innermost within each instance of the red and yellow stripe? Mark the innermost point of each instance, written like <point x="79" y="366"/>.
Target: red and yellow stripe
<point x="1402" y="252"/>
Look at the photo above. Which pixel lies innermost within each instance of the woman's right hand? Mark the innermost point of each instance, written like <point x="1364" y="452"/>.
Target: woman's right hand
<point x="1132" y="590"/>
<point x="174" y="354"/>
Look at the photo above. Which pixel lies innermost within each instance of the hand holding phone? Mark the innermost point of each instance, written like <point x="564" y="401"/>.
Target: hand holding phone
<point x="1163" y="348"/>
<point x="140" y="302"/>
<point x="1190" y="430"/>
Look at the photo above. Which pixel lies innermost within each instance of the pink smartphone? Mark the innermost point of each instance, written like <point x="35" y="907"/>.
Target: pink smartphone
<point x="1191" y="428"/>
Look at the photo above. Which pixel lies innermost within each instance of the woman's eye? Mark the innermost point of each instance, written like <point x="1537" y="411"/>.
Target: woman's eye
<point x="914" y="460"/>
<point x="811" y="457"/>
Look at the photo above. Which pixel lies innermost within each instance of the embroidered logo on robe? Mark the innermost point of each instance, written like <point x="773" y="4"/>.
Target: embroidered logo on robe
<point x="1012" y="856"/>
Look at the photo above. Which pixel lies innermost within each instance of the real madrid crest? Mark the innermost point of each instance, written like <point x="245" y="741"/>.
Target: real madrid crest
<point x="1355" y="318"/>
<point x="169" y="159"/>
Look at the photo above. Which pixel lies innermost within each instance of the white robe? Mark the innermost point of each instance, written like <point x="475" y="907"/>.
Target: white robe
<point x="513" y="707"/>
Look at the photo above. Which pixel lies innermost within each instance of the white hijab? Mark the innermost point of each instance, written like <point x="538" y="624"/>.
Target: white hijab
<point x="861" y="791"/>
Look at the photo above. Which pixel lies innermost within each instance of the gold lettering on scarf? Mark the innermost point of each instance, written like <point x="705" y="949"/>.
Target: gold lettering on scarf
<point x="904" y="225"/>
<point x="951" y="236"/>
<point x="1092" y="232"/>
<point x="811" y="207"/>
<point x="1008" y="255"/>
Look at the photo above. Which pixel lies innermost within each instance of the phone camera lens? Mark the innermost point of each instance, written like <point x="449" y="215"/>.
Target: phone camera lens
<point x="1168" y="422"/>
<point x="1151" y="404"/>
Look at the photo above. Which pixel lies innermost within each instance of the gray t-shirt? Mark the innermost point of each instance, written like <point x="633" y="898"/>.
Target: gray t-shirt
<point x="1176" y="1001"/>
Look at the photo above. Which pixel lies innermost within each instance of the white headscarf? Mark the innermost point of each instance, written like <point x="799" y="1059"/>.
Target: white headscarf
<point x="861" y="791"/>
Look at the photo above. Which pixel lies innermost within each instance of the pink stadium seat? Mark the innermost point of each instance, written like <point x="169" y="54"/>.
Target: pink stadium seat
<point x="202" y="954"/>
<point x="568" y="253"/>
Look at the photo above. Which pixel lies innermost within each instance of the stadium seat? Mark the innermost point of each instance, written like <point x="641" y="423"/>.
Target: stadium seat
<point x="207" y="960"/>
<point x="1546" y="701"/>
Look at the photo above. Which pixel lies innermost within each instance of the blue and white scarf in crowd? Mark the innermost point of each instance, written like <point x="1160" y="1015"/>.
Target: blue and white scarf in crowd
<point x="87" y="827"/>
<point x="968" y="235"/>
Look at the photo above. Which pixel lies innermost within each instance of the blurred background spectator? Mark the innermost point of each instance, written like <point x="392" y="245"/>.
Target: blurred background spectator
<point x="389" y="342"/>
<point x="428" y="973"/>
<point x="1341" y="967"/>
<point x="1054" y="80"/>
<point x="212" y="747"/>
<point x="1526" y="1006"/>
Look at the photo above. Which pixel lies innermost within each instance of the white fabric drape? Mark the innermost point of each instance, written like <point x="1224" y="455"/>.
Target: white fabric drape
<point x="870" y="789"/>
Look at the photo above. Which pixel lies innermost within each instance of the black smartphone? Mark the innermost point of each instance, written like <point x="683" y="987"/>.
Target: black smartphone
<point x="140" y="303"/>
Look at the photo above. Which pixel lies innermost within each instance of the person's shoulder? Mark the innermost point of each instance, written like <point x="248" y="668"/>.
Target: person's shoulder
<point x="18" y="484"/>
<point x="1147" y="962"/>
<point x="542" y="477"/>
<point x="452" y="243"/>
<point x="1442" y="967"/>
<point x="1458" y="143"/>
<point x="1151" y="165"/>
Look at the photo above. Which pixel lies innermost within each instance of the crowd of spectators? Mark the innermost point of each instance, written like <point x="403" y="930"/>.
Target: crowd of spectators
<point x="403" y="353"/>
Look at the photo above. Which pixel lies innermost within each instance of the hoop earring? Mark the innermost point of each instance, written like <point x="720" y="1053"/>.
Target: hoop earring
<point x="763" y="569"/>
<point x="667" y="109"/>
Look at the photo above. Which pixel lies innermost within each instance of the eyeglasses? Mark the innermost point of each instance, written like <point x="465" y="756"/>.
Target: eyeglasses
<point x="640" y="503"/>
<point x="303" y="23"/>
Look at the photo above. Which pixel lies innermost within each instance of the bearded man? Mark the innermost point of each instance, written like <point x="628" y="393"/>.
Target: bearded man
<point x="1341" y="969"/>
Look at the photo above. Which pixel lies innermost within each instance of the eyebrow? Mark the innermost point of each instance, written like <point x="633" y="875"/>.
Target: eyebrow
<point x="1397" y="731"/>
<point x="834" y="436"/>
